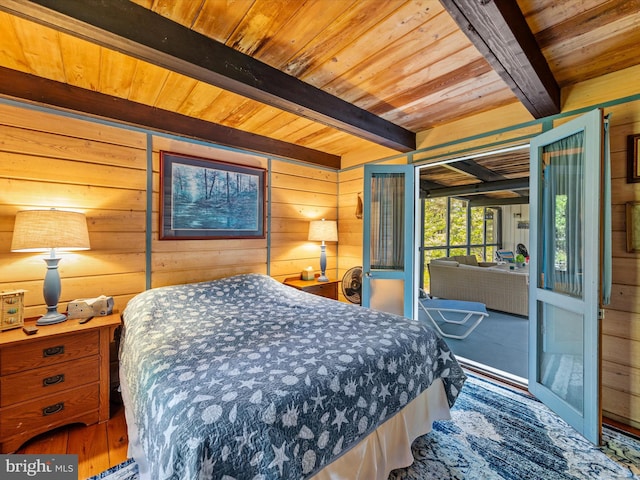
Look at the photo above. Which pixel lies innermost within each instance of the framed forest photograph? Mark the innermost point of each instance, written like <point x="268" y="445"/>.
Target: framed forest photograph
<point x="208" y="199"/>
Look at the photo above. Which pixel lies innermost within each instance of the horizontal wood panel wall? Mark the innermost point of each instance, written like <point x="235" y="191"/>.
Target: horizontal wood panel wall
<point x="621" y="325"/>
<point x="50" y="159"/>
<point x="300" y="194"/>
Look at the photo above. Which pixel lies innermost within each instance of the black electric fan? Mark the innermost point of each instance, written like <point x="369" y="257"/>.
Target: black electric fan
<point x="352" y="284"/>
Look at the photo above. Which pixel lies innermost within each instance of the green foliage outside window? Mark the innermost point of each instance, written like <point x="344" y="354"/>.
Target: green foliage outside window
<point x="453" y="228"/>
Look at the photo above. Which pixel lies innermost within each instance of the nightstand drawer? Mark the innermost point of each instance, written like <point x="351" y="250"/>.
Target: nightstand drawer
<point x="24" y="386"/>
<point x="49" y="351"/>
<point x="50" y="411"/>
<point x="329" y="290"/>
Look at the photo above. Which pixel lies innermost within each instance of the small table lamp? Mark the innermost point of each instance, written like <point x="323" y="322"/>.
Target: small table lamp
<point x="323" y="231"/>
<point x="48" y="230"/>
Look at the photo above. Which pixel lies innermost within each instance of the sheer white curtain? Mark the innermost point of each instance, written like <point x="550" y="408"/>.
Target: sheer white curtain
<point x="563" y="211"/>
<point x="387" y="213"/>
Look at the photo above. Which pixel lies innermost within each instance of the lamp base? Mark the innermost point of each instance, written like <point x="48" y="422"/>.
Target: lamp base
<point x="51" y="317"/>
<point x="322" y="278"/>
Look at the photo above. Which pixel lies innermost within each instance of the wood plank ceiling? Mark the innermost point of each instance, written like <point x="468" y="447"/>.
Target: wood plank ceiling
<point x="315" y="80"/>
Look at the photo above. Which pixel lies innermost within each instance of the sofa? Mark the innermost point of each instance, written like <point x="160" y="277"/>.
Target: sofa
<point x="495" y="285"/>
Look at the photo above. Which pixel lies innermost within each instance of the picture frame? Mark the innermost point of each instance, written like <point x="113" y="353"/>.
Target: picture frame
<point x="633" y="158"/>
<point x="633" y="226"/>
<point x="210" y="199"/>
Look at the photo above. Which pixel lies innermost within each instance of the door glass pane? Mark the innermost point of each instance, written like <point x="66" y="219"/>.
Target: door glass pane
<point x="387" y="215"/>
<point x="387" y="295"/>
<point x="560" y="353"/>
<point x="562" y="216"/>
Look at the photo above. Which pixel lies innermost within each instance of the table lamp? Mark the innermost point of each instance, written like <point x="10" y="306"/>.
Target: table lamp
<point x="323" y="231"/>
<point x="50" y="230"/>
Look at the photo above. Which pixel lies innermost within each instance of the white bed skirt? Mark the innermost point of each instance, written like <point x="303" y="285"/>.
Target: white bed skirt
<point x="383" y="450"/>
<point x="389" y="446"/>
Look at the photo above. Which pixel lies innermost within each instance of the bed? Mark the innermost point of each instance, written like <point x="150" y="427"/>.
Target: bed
<point x="245" y="377"/>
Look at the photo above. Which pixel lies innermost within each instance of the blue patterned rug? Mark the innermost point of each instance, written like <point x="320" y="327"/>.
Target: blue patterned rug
<point x="497" y="433"/>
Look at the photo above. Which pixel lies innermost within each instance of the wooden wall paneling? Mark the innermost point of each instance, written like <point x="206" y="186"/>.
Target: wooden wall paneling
<point x="30" y="118"/>
<point x="495" y="120"/>
<point x="350" y="246"/>
<point x="625" y="271"/>
<point x="621" y="377"/>
<point x="122" y="287"/>
<point x="621" y="406"/>
<point x="63" y="161"/>
<point x="621" y="351"/>
<point x="53" y="146"/>
<point x="191" y="259"/>
<point x="299" y="194"/>
<point x="622" y="324"/>
<point x="619" y="84"/>
<point x="53" y="169"/>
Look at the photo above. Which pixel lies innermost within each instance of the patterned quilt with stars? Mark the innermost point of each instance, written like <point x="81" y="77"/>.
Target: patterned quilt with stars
<point x="246" y="378"/>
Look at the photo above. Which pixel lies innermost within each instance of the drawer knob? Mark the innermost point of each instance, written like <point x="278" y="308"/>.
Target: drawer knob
<point x="53" y="380"/>
<point x="52" y="409"/>
<point x="53" y="351"/>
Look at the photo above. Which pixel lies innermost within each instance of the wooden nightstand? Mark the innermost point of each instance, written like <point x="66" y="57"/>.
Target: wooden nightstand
<point x="57" y="376"/>
<point x="324" y="289"/>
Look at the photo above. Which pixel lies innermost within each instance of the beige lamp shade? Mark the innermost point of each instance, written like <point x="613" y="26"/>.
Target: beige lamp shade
<point x="43" y="230"/>
<point x="323" y="231"/>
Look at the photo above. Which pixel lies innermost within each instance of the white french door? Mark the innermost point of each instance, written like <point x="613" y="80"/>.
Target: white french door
<point x="564" y="330"/>
<point x="388" y="278"/>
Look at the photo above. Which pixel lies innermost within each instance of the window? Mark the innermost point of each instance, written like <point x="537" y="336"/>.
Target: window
<point x="452" y="227"/>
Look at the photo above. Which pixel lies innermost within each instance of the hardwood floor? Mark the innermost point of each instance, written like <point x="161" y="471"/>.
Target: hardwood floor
<point x="98" y="446"/>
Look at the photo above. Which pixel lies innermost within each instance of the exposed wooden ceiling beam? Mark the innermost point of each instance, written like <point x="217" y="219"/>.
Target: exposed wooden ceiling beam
<point x="141" y="33"/>
<point x="500" y="185"/>
<point x="473" y="168"/>
<point x="36" y="89"/>
<point x="497" y="202"/>
<point x="500" y="32"/>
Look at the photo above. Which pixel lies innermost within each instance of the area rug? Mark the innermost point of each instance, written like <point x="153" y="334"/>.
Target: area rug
<point x="498" y="433"/>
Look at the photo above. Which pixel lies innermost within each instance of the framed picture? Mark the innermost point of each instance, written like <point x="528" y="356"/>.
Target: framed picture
<point x="202" y="198"/>
<point x="633" y="226"/>
<point x="633" y="159"/>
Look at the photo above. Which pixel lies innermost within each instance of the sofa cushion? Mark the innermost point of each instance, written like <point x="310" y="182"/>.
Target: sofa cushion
<point x="445" y="261"/>
<point x="466" y="259"/>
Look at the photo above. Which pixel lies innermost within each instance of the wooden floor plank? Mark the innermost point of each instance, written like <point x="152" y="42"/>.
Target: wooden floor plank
<point x="90" y="444"/>
<point x="117" y="438"/>
<point x="54" y="442"/>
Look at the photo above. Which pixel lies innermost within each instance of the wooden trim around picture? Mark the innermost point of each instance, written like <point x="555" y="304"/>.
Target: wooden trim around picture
<point x="633" y="158"/>
<point x="207" y="199"/>
<point x="633" y="226"/>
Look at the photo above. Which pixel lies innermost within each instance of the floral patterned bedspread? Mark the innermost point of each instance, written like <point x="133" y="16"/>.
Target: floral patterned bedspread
<point x="247" y="378"/>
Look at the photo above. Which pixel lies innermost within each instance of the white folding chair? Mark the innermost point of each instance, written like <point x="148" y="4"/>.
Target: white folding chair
<point x="457" y="312"/>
